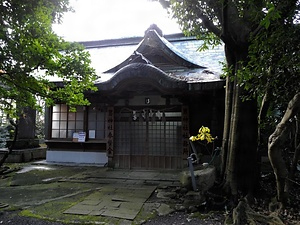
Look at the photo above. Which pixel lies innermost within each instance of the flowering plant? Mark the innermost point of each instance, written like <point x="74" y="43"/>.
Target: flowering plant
<point x="203" y="134"/>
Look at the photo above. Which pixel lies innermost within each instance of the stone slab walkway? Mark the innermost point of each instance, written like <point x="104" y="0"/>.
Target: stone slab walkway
<point x="127" y="177"/>
<point x="80" y="193"/>
<point x="120" y="202"/>
<point x="125" y="198"/>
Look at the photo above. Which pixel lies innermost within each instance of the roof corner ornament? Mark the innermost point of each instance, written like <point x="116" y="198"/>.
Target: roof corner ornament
<point x="156" y="28"/>
<point x="137" y="57"/>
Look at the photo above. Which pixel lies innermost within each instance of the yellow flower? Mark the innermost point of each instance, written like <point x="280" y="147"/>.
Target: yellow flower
<point x="203" y="134"/>
<point x="193" y="138"/>
<point x="204" y="130"/>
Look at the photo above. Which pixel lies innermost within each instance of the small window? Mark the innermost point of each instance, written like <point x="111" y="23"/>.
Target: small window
<point x="65" y="123"/>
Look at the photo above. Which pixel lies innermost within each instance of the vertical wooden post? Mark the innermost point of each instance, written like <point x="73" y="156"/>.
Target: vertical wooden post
<point x="110" y="135"/>
<point x="185" y="133"/>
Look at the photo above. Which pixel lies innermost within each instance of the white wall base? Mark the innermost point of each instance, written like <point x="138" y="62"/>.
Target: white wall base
<point x="98" y="158"/>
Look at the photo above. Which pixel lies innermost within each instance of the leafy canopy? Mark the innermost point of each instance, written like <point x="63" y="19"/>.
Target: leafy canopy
<point x="32" y="55"/>
<point x="266" y="31"/>
<point x="218" y="20"/>
<point x="274" y="56"/>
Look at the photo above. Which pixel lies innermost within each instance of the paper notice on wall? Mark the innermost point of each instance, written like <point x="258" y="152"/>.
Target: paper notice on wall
<point x="75" y="137"/>
<point x="81" y="136"/>
<point x="92" y="134"/>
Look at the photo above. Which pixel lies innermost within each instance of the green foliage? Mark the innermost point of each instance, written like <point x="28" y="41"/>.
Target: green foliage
<point x="4" y="134"/>
<point x="40" y="123"/>
<point x="188" y="14"/>
<point x="269" y="28"/>
<point x="261" y="47"/>
<point x="209" y="41"/>
<point x="272" y="15"/>
<point x="274" y="60"/>
<point x="32" y="55"/>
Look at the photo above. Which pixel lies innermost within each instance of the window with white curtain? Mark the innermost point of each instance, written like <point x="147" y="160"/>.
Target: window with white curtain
<point x="65" y="122"/>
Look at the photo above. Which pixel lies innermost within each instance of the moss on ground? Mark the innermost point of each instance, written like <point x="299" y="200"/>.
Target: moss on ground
<point x="47" y="193"/>
<point x="204" y="216"/>
<point x="54" y="211"/>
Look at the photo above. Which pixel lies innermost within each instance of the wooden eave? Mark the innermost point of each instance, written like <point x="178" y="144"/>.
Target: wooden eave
<point x="141" y="77"/>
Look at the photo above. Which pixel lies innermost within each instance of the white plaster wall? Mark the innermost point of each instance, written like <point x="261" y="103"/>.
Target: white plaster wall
<point x="98" y="158"/>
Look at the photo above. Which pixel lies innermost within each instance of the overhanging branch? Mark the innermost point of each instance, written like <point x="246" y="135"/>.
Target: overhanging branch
<point x="209" y="25"/>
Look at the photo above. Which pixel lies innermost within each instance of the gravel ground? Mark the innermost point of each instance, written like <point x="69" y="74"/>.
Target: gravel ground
<point x="7" y="218"/>
<point x="177" y="218"/>
<point x="180" y="218"/>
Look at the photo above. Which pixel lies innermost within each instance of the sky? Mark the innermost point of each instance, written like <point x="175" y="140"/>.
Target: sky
<point x="108" y="19"/>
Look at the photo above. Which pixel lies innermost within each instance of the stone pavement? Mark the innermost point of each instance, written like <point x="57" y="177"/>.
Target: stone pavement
<point x="68" y="192"/>
<point x="120" y="202"/>
<point x="126" y="177"/>
<point x="124" y="193"/>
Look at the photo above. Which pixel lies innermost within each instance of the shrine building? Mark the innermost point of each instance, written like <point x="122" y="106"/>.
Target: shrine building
<point x="154" y="93"/>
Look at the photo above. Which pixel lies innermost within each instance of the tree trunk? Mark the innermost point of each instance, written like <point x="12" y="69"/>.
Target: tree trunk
<point x="276" y="140"/>
<point x="241" y="166"/>
<point x="227" y="119"/>
<point x="244" y="214"/>
<point x="297" y="149"/>
<point x="296" y="135"/>
<point x="295" y="162"/>
<point x="231" y="174"/>
<point x="265" y="104"/>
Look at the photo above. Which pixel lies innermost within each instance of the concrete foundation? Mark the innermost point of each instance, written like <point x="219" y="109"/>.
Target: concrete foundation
<point x="24" y="155"/>
<point x="98" y="158"/>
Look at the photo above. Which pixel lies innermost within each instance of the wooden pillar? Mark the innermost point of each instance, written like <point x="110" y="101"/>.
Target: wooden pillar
<point x="185" y="133"/>
<point x="110" y="135"/>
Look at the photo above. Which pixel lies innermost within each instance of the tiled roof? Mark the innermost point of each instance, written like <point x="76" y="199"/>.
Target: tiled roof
<point x="107" y="54"/>
<point x="158" y="51"/>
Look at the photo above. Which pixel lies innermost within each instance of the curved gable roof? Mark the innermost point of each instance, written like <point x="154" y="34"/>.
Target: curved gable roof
<point x="158" y="51"/>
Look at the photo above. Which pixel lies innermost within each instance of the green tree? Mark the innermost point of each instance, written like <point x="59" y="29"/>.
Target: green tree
<point x="239" y="25"/>
<point x="32" y="56"/>
<point x="272" y="74"/>
<point x="232" y="23"/>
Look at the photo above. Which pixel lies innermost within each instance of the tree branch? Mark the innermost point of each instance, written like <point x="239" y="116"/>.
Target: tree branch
<point x="274" y="147"/>
<point x="209" y="25"/>
<point x="20" y="86"/>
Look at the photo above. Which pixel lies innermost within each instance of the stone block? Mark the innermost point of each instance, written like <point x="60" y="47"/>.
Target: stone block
<point x="39" y="154"/>
<point x="164" y="209"/>
<point x="24" y="155"/>
<point x="205" y="178"/>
